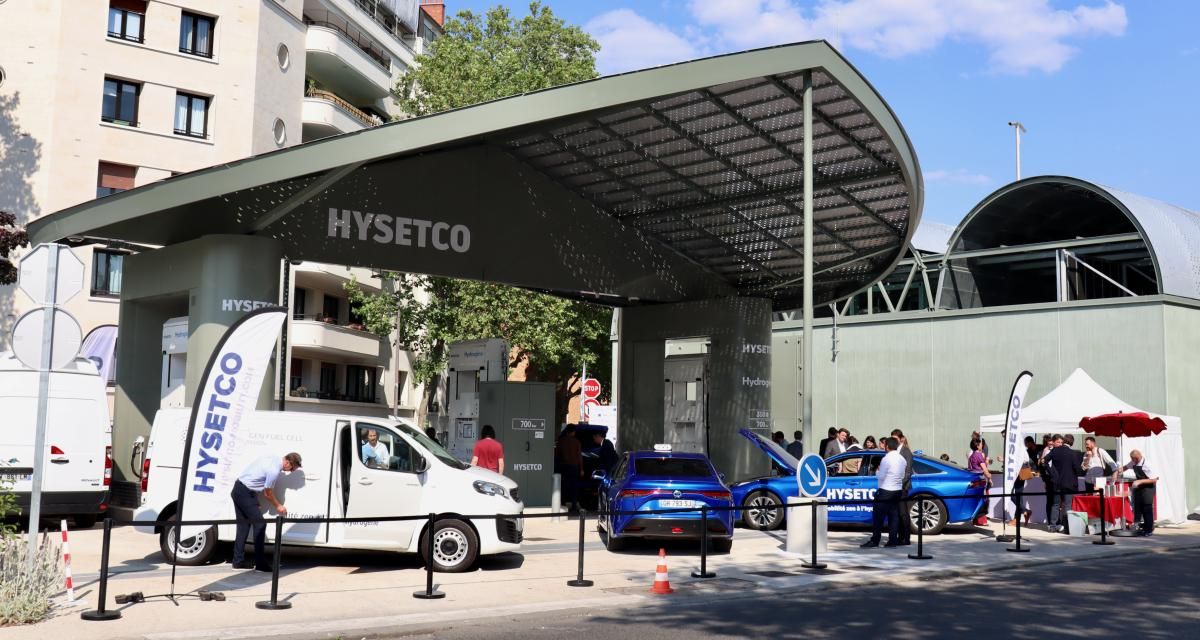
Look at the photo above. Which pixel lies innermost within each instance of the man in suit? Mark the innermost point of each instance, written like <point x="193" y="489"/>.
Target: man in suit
<point x="825" y="441"/>
<point x="796" y="447"/>
<point x="838" y="444"/>
<point x="905" y="503"/>
<point x="1065" y="470"/>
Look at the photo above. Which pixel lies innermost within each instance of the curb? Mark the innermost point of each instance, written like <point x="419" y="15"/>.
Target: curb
<point x="426" y="623"/>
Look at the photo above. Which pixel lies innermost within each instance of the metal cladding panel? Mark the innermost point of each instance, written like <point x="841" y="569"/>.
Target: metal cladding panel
<point x="1174" y="237"/>
<point x="1181" y="344"/>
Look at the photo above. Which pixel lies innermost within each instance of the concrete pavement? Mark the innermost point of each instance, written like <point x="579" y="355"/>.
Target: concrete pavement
<point x="356" y="594"/>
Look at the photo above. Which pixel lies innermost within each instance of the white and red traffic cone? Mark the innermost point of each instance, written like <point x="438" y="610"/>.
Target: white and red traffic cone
<point x="662" y="585"/>
<point x="66" y="554"/>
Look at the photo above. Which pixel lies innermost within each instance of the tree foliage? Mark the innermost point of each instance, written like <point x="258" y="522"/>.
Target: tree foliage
<point x="481" y="58"/>
<point x="485" y="57"/>
<point x="11" y="237"/>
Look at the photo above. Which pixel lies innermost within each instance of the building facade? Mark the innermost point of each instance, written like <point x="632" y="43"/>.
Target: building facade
<point x="101" y="96"/>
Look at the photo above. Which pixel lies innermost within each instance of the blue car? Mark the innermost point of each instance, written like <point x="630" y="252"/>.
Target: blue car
<point x="852" y="477"/>
<point x="651" y="480"/>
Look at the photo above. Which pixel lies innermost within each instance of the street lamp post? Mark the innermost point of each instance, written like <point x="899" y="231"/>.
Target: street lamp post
<point x="1018" y="128"/>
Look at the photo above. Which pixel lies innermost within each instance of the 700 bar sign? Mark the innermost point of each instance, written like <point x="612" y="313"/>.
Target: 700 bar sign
<point x="529" y="424"/>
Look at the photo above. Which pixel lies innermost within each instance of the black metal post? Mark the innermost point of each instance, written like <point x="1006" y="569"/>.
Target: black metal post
<point x="1018" y="548"/>
<point x="920" y="554"/>
<point x="703" y="572"/>
<point x="814" y="564"/>
<point x="100" y="613"/>
<point x="579" y="581"/>
<point x="1103" y="523"/>
<point x="429" y="593"/>
<point x="274" y="602"/>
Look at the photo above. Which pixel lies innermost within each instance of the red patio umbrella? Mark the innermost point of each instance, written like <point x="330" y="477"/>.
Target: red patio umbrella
<point x="1134" y="425"/>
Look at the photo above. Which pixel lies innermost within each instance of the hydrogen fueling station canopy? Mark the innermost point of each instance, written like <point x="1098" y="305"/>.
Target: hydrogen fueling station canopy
<point x="676" y="183"/>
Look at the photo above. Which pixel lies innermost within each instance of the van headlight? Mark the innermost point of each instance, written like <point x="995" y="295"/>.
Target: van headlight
<point x="490" y="488"/>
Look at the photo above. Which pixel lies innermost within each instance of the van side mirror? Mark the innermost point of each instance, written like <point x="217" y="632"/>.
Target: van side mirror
<point x="421" y="464"/>
<point x="600" y="475"/>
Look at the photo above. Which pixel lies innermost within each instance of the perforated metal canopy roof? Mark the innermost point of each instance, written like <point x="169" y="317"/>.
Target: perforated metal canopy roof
<point x="673" y="183"/>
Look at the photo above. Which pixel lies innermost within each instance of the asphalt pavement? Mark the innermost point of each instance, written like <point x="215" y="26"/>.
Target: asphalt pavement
<point x="1147" y="596"/>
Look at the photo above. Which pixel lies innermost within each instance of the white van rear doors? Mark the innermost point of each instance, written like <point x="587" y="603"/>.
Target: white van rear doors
<point x="382" y="481"/>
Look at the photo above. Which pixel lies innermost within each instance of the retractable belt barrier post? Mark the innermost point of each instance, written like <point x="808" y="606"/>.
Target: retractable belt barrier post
<point x="100" y="613"/>
<point x="274" y="602"/>
<point x="920" y="554"/>
<point x="814" y="564"/>
<point x="1103" y="522"/>
<point x="429" y="593"/>
<point x="579" y="581"/>
<point x="703" y="572"/>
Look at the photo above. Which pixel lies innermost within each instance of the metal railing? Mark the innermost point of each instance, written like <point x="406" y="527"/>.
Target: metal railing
<point x="353" y="111"/>
<point x="101" y="613"/>
<point x="347" y="30"/>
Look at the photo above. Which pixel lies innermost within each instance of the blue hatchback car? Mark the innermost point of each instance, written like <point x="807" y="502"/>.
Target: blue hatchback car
<point x="852" y="477"/>
<point x="651" y="480"/>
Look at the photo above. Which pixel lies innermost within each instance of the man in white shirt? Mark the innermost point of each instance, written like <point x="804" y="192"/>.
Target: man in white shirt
<point x="258" y="479"/>
<point x="890" y="477"/>
<point x="375" y="453"/>
<point x="1143" y="490"/>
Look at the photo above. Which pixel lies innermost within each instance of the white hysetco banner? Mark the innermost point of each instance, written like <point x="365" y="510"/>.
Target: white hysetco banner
<point x="229" y="390"/>
<point x="1014" y="445"/>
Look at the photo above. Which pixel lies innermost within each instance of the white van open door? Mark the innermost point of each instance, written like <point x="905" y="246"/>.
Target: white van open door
<point x="380" y="479"/>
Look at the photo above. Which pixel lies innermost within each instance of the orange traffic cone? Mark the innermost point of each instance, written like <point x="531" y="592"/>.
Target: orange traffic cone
<point x="661" y="583"/>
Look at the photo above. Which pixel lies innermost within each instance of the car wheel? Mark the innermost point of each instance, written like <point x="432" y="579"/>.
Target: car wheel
<point x="720" y="545"/>
<point x="927" y="516"/>
<point x="613" y="543"/>
<point x="193" y="551"/>
<point x="85" y="521"/>
<point x="762" y="511"/>
<point x="455" y="546"/>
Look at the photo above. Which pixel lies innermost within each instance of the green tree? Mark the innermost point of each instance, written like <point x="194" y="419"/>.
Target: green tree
<point x="11" y="237"/>
<point x="481" y="58"/>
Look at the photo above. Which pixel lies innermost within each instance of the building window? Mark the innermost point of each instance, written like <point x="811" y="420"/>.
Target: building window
<point x="401" y="388"/>
<point x="299" y="302"/>
<point x="328" y="380"/>
<point x="114" y="178"/>
<point x="296" y="375"/>
<point x="196" y="34"/>
<point x="191" y="115"/>
<point x="120" y="102"/>
<point x="106" y="273"/>
<point x="360" y="383"/>
<point x="126" y="19"/>
<point x="329" y="309"/>
<point x="356" y="317"/>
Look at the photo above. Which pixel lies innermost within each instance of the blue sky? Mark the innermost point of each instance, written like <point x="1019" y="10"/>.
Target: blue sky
<point x="1109" y="91"/>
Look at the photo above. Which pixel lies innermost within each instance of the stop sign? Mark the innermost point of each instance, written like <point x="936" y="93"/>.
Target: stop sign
<point x="591" y="388"/>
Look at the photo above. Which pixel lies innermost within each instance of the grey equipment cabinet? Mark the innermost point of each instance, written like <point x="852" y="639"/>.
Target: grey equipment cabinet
<point x="523" y="415"/>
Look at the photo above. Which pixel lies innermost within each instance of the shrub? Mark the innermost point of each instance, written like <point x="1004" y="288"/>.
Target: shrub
<point x="25" y="588"/>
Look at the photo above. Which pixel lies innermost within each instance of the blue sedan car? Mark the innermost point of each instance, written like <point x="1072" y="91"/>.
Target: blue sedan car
<point x="651" y="480"/>
<point x="852" y="477"/>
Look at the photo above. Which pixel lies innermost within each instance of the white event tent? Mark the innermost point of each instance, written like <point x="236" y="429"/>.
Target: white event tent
<point x="1078" y="397"/>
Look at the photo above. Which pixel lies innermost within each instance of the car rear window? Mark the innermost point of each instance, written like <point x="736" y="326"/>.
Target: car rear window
<point x="672" y="467"/>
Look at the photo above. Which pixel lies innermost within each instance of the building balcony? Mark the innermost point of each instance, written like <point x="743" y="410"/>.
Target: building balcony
<point x="325" y="114"/>
<point x="318" y="336"/>
<point x="333" y="277"/>
<point x="342" y="59"/>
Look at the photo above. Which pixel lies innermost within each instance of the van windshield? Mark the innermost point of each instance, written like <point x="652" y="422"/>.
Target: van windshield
<point x="432" y="447"/>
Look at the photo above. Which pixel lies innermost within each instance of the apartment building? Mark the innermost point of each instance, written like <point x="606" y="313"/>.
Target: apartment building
<point x="100" y="96"/>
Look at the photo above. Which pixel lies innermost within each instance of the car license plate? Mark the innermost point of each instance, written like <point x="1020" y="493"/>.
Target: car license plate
<point x="6" y="478"/>
<point x="677" y="504"/>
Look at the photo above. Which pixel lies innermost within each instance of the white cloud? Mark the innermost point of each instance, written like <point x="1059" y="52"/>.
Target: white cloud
<point x="1020" y="35"/>
<point x="957" y="176"/>
<point x="629" y="41"/>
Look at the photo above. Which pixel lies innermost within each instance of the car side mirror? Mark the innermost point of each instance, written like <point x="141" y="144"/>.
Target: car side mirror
<point x="600" y="475"/>
<point x="422" y="465"/>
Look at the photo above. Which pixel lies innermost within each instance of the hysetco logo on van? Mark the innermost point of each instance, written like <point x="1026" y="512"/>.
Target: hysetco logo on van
<point x="405" y="232"/>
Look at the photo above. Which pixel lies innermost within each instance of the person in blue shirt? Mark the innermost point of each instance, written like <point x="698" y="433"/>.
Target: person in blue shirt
<point x="258" y="478"/>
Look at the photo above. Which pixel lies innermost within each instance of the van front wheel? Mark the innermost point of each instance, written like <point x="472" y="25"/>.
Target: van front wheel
<point x="193" y="551"/>
<point x="455" y="546"/>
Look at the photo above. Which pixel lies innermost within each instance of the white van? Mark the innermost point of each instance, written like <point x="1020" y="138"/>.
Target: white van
<point x="416" y="478"/>
<point x="78" y="460"/>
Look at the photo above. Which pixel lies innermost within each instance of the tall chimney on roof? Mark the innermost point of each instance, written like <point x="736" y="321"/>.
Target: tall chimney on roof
<point x="435" y="9"/>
